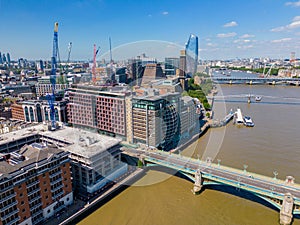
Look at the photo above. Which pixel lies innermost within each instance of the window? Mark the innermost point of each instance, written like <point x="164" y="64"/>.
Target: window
<point x="22" y="202"/>
<point x="48" y="211"/>
<point x="23" y="210"/>
<point x="47" y="197"/>
<point x="45" y="190"/>
<point x="21" y="194"/>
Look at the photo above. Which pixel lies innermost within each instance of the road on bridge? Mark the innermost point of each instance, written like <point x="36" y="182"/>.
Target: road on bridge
<point x="242" y="179"/>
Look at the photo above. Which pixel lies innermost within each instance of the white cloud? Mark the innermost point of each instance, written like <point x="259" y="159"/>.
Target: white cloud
<point x="281" y="40"/>
<point x="294" y="4"/>
<point x="294" y="24"/>
<point x="278" y="29"/>
<point x="165" y="13"/>
<point x="210" y="44"/>
<point x="230" y="24"/>
<point x="247" y="36"/>
<point x="226" y="35"/>
<point x="245" y="46"/>
<point x="243" y="41"/>
<point x="296" y="18"/>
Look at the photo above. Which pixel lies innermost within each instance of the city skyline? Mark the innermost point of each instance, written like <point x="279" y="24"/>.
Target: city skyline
<point x="226" y="29"/>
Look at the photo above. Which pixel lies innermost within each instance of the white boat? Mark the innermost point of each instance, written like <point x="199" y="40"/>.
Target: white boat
<point x="258" y="98"/>
<point x="248" y="121"/>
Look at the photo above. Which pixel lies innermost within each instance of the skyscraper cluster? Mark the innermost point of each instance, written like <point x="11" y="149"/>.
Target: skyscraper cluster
<point x="5" y="59"/>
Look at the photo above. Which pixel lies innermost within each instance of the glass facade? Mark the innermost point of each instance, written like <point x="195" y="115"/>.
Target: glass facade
<point x="171" y="64"/>
<point x="191" y="49"/>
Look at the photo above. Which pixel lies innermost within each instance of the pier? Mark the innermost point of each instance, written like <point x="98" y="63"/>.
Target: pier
<point x="223" y="122"/>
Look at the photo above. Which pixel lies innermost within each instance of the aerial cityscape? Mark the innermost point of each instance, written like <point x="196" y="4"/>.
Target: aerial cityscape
<point x="152" y="112"/>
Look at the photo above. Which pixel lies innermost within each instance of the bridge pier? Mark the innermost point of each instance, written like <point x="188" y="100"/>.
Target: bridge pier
<point x="198" y="182"/>
<point x="141" y="161"/>
<point x="286" y="211"/>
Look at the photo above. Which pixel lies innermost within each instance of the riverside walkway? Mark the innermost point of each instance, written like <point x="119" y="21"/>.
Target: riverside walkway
<point x="270" y="189"/>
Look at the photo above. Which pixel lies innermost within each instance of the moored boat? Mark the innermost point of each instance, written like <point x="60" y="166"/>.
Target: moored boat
<point x="258" y="98"/>
<point x="248" y="121"/>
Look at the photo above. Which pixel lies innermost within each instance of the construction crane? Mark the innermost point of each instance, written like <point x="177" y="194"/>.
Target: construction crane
<point x="69" y="52"/>
<point x="94" y="63"/>
<point x="51" y="96"/>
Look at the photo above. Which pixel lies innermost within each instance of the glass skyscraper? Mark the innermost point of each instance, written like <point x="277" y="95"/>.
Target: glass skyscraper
<point x="191" y="50"/>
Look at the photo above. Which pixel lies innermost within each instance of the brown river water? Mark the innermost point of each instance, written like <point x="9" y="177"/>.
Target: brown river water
<point x="272" y="144"/>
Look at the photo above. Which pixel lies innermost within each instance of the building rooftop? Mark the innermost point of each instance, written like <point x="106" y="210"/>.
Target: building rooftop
<point x="28" y="154"/>
<point x="81" y="142"/>
<point x="85" y="143"/>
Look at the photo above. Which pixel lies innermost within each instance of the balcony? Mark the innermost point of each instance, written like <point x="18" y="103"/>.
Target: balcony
<point x="57" y="188"/>
<point x="10" y="214"/>
<point x="32" y="184"/>
<point x="55" y="174"/>
<point x="38" y="219"/>
<point x="56" y="181"/>
<point x="13" y="221"/>
<point x="33" y="191"/>
<point x="8" y="197"/>
<point x="59" y="194"/>
<point x="8" y="206"/>
<point x="34" y="199"/>
<point x="36" y="206"/>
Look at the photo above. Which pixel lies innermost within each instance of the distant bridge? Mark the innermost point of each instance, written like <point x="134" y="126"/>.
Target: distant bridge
<point x="256" y="80"/>
<point x="284" y="195"/>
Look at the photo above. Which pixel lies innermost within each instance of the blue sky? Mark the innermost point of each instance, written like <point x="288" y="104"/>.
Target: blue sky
<point x="226" y="29"/>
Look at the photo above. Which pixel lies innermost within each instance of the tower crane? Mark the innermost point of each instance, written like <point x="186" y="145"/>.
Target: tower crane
<point x="94" y="63"/>
<point x="69" y="52"/>
<point x="51" y="96"/>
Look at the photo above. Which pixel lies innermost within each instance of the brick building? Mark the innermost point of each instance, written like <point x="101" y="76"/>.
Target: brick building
<point x="35" y="184"/>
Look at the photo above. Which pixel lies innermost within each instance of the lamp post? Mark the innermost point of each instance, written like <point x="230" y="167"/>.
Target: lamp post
<point x="245" y="168"/>
<point x="219" y="160"/>
<point x="275" y="174"/>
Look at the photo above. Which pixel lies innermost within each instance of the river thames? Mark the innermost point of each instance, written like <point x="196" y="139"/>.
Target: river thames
<point x="271" y="145"/>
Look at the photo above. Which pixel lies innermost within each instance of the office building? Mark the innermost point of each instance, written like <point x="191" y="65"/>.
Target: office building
<point x="153" y="71"/>
<point x="8" y="58"/>
<point x="44" y="86"/>
<point x="39" y="111"/>
<point x="191" y="50"/>
<point x="95" y="160"/>
<point x="182" y="70"/>
<point x="155" y="119"/>
<point x="17" y="111"/>
<point x="103" y="110"/>
<point x="171" y="65"/>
